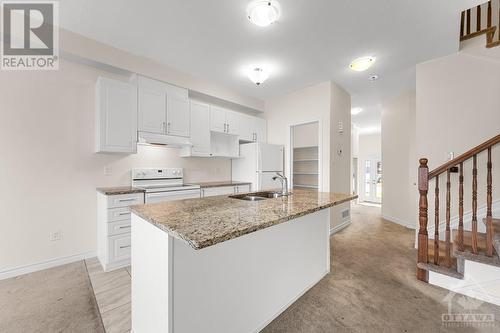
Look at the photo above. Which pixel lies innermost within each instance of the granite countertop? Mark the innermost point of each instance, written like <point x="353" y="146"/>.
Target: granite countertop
<point x="207" y="221"/>
<point x="221" y="183"/>
<point x="119" y="190"/>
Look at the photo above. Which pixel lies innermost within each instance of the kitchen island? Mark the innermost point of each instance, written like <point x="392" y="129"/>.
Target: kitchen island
<point x="222" y="264"/>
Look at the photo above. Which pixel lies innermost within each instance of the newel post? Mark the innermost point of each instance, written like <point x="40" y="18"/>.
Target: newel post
<point x="423" y="238"/>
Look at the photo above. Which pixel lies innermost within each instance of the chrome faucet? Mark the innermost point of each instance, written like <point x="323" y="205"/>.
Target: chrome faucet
<point x="284" y="183"/>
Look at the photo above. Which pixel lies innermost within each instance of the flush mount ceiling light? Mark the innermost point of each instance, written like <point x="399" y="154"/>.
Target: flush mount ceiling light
<point x="263" y="12"/>
<point x="355" y="111"/>
<point x="258" y="75"/>
<point x="362" y="64"/>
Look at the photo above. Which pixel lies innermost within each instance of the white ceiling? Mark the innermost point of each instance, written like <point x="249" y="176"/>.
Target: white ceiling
<point x="314" y="41"/>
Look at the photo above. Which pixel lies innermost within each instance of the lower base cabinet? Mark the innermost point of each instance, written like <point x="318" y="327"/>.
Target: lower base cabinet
<point x="224" y="190"/>
<point x="113" y="229"/>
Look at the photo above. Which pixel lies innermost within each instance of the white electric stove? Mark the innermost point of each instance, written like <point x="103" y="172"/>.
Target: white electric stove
<point x="165" y="184"/>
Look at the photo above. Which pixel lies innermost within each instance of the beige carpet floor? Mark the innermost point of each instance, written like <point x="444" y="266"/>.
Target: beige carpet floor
<point x="59" y="299"/>
<point x="372" y="287"/>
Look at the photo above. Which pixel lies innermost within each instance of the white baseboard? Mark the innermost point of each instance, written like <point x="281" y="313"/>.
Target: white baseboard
<point x="398" y="221"/>
<point x="340" y="227"/>
<point x="20" y="270"/>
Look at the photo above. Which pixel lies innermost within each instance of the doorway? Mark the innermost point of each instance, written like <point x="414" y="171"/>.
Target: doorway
<point x="372" y="180"/>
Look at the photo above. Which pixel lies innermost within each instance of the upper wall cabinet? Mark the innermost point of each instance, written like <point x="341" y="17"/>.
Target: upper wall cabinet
<point x="223" y="121"/>
<point x="200" y="131"/>
<point x="163" y="108"/>
<point x="116" y="116"/>
<point x="252" y="129"/>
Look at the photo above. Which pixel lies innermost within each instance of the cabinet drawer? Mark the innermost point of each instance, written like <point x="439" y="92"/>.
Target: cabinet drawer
<point x="119" y="227"/>
<point x="125" y="200"/>
<point x="213" y="191"/>
<point x="118" y="214"/>
<point x="119" y="247"/>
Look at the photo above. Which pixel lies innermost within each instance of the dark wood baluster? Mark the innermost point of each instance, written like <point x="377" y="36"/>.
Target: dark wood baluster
<point x="448" y="230"/>
<point x="478" y="18"/>
<point x="474" y="204"/>
<point x="462" y="22"/>
<point x="489" y="201"/>
<point x="461" y="208"/>
<point x="468" y="22"/>
<point x="489" y="15"/>
<point x="423" y="237"/>
<point x="436" y="223"/>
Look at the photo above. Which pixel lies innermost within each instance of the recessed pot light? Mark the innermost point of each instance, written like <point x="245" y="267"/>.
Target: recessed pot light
<point x="258" y="75"/>
<point x="263" y="12"/>
<point x="362" y="64"/>
<point x="355" y="111"/>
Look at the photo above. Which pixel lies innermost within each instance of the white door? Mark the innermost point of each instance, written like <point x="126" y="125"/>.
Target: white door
<point x="372" y="180"/>
<point x="217" y="119"/>
<point x="246" y="127"/>
<point x="266" y="181"/>
<point x="270" y="157"/>
<point x="117" y="116"/>
<point x="260" y="130"/>
<point x="177" y="116"/>
<point x="152" y="103"/>
<point x="232" y="119"/>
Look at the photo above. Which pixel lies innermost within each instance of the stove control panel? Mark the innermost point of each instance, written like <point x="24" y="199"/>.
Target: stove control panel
<point x="153" y="173"/>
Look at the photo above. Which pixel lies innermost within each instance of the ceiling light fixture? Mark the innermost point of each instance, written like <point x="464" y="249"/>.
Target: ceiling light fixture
<point x="263" y="12"/>
<point x="355" y="111"/>
<point x="258" y="76"/>
<point x="362" y="64"/>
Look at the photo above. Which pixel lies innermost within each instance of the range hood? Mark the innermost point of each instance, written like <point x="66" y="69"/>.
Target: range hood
<point x="164" y="139"/>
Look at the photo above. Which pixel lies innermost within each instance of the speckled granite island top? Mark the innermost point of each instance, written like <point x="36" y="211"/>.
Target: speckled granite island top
<point x="207" y="221"/>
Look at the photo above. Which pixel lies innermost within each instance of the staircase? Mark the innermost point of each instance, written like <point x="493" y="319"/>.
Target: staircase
<point x="482" y="20"/>
<point x="441" y="254"/>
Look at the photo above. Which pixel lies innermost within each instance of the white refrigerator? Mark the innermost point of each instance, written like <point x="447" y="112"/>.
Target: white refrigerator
<point x="258" y="164"/>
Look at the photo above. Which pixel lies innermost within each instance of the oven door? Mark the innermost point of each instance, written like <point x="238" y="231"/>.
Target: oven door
<point x="172" y="195"/>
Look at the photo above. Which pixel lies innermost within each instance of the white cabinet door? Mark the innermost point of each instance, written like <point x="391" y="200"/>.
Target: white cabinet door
<point x="152" y="96"/>
<point x="260" y="126"/>
<point x="217" y="119"/>
<point x="246" y="127"/>
<point x="232" y="122"/>
<point x="116" y="115"/>
<point x="200" y="128"/>
<point x="177" y="115"/>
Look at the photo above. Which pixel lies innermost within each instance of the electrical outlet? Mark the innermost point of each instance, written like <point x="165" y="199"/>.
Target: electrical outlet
<point x="55" y="236"/>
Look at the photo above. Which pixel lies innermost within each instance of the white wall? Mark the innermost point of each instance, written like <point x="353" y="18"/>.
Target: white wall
<point x="306" y="105"/>
<point x="398" y="159"/>
<point x="329" y="104"/>
<point x="369" y="147"/>
<point x="458" y="107"/>
<point x="49" y="171"/>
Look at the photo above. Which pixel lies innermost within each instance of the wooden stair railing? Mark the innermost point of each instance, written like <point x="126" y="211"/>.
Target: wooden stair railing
<point x="424" y="176"/>
<point x="468" y="31"/>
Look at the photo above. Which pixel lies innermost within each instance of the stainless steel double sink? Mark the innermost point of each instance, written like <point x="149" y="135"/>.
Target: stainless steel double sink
<point x="258" y="196"/>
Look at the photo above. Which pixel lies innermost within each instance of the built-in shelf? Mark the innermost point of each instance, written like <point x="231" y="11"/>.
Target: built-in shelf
<point x="305" y="186"/>
<point x="307" y="160"/>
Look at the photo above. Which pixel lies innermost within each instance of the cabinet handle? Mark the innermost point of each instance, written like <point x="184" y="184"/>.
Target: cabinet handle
<point x="124" y="246"/>
<point x="225" y="128"/>
<point x="126" y="200"/>
<point x="163" y="127"/>
<point x="228" y="128"/>
<point x="168" y="127"/>
<point x="124" y="227"/>
<point x="125" y="213"/>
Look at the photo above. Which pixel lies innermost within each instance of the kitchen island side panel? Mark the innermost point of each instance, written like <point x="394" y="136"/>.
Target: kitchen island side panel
<point x="242" y="284"/>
